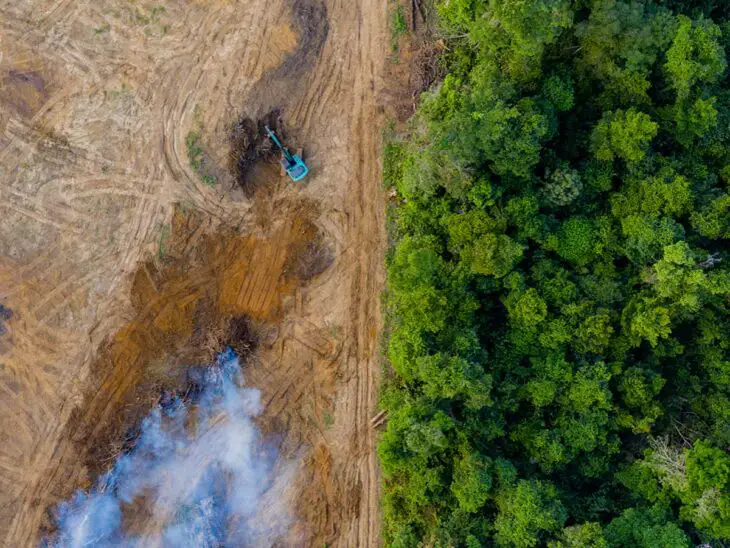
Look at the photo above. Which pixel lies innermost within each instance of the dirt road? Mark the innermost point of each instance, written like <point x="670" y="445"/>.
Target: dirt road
<point x="96" y="102"/>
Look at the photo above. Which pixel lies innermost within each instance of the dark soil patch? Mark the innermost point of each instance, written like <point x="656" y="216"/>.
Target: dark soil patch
<point x="313" y="259"/>
<point x="30" y="78"/>
<point x="310" y="18"/>
<point x="250" y="144"/>
<point x="242" y="336"/>
<point x="24" y="91"/>
<point x="5" y="315"/>
<point x="282" y="86"/>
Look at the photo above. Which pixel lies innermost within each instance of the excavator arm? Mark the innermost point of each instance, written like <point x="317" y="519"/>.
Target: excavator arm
<point x="292" y="163"/>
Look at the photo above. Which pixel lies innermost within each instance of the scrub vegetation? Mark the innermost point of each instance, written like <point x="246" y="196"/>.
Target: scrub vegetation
<point x="198" y="158"/>
<point x="558" y="298"/>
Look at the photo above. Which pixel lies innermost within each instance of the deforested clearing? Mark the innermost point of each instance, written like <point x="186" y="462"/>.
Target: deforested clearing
<point x="130" y="251"/>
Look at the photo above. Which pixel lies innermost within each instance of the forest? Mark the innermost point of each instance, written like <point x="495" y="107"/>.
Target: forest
<point x="558" y="298"/>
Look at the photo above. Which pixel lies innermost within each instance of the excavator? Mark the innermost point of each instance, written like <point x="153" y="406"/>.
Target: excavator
<point x="292" y="163"/>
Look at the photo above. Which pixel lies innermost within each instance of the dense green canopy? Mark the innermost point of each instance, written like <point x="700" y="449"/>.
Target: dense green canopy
<point x="559" y="283"/>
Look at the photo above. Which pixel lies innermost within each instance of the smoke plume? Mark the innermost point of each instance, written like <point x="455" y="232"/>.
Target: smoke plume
<point x="196" y="476"/>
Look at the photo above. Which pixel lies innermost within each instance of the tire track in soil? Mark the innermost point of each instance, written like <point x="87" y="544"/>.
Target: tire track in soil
<point x="351" y="467"/>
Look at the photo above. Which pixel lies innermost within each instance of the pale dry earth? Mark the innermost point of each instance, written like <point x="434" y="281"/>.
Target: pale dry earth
<point x="96" y="99"/>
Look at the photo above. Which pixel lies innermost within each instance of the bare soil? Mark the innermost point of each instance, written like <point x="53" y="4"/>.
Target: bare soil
<point x="118" y="265"/>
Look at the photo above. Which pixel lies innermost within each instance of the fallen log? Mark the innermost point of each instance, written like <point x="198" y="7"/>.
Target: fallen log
<point x="379" y="419"/>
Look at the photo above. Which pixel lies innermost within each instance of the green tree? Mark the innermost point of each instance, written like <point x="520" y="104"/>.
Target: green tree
<point x="619" y="44"/>
<point x="475" y="236"/>
<point x="639" y="389"/>
<point x="494" y="255"/>
<point x="559" y="91"/>
<point x="472" y="481"/>
<point x="454" y="378"/>
<point x="527" y="513"/>
<point x="713" y="219"/>
<point x="563" y="186"/>
<point x="678" y="279"/>
<point x="647" y="320"/>
<point x="695" y="120"/>
<point x="648" y="528"/>
<point x="523" y="31"/>
<point x="594" y="333"/>
<point x="695" y="56"/>
<point x="707" y="496"/>
<point x="623" y="134"/>
<point x="586" y="535"/>
<point x="645" y="238"/>
<point x="665" y="193"/>
<point x="415" y="274"/>
<point x="526" y="308"/>
<point x="577" y="241"/>
<point x="510" y="137"/>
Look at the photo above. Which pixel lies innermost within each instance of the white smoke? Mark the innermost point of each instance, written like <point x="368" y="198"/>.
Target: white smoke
<point x="197" y="473"/>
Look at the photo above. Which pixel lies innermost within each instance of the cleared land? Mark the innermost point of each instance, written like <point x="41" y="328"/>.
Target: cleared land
<point x="118" y="263"/>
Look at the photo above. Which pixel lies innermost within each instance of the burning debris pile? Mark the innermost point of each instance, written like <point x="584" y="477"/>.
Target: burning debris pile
<point x="195" y="476"/>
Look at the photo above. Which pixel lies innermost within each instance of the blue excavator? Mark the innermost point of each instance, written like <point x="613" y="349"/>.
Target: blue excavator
<point x="292" y="163"/>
